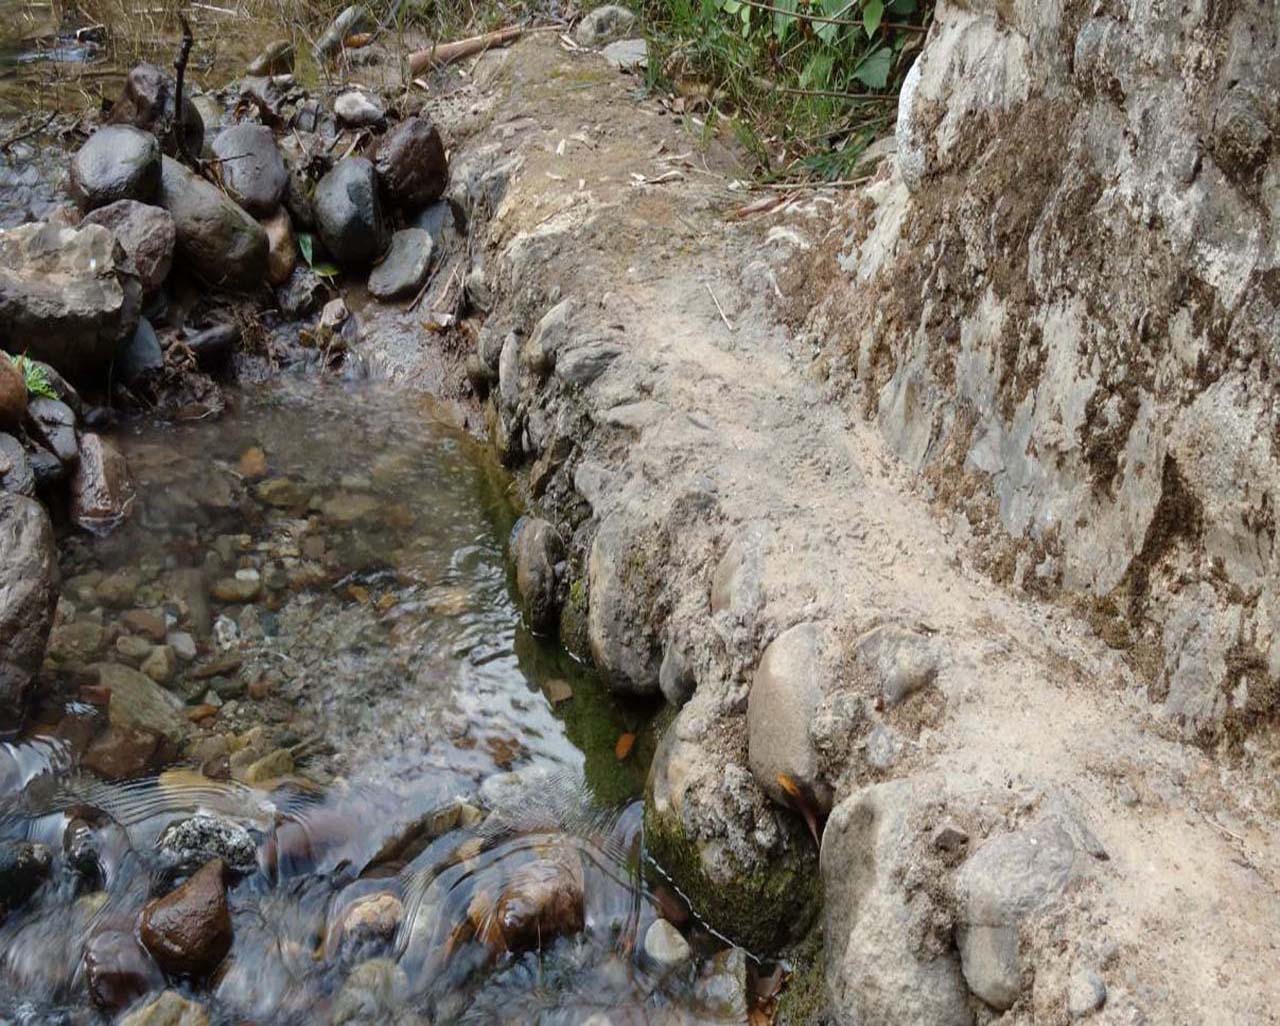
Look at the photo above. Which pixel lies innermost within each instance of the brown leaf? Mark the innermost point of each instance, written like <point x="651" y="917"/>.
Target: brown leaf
<point x="557" y="690"/>
<point x="623" y="748"/>
<point x="357" y="40"/>
<point x="253" y="464"/>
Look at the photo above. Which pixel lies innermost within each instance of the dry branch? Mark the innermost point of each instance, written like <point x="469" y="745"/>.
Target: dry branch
<point x="446" y="53"/>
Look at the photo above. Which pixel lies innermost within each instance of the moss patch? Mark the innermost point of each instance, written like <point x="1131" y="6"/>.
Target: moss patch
<point x="804" y="1001"/>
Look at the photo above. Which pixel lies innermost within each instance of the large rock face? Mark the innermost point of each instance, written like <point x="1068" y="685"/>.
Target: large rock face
<point x="28" y="594"/>
<point x="64" y="297"/>
<point x="1062" y="305"/>
<point x="222" y="243"/>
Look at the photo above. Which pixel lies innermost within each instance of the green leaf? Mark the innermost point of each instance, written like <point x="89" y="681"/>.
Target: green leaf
<point x="817" y="72"/>
<point x="306" y="246"/>
<point x="873" y="70"/>
<point x="35" y="377"/>
<point x="902" y="8"/>
<point x="784" y="18"/>
<point x="872" y="15"/>
<point x="325" y="270"/>
<point x="825" y="30"/>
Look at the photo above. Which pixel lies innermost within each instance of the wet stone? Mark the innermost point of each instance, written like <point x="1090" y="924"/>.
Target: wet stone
<point x="53" y="424"/>
<point x="133" y="649"/>
<point x="302" y="293"/>
<point x="251" y="167"/>
<point x="665" y="946"/>
<point x="188" y="931"/>
<point x="191" y="843"/>
<point x="118" y="969"/>
<point x="101" y="488"/>
<point x="146" y="234"/>
<point x="122" y="753"/>
<point x="140" y="357"/>
<point x="146" y="623"/>
<point x="218" y="240"/>
<point x="160" y="664"/>
<point x="168" y="1009"/>
<point x="349" y="213"/>
<point x="23" y="867"/>
<point x="28" y="597"/>
<point x="147" y="102"/>
<point x="412" y="165"/>
<point x="405" y="266"/>
<point x="16" y="475"/>
<point x="119" y="162"/>
<point x="13" y="394"/>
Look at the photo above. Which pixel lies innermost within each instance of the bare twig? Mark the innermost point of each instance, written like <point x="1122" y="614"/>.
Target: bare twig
<point x="727" y="323"/>
<point x="836" y="20"/>
<point x="440" y="54"/>
<point x="27" y="133"/>
<point x="180" y="71"/>
<point x="837" y="94"/>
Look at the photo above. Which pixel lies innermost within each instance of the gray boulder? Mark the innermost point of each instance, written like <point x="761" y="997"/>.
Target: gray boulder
<point x="28" y="595"/>
<point x="404" y="268"/>
<point x="221" y="243"/>
<point x="16" y="473"/>
<point x="66" y="294"/>
<point x="348" y="213"/>
<point x="537" y="549"/>
<point x="145" y="233"/>
<point x="604" y="24"/>
<point x="412" y="164"/>
<point x="1002" y="883"/>
<point x="147" y="102"/>
<point x="118" y="162"/>
<point x="785" y="695"/>
<point x="889" y="959"/>
<point x="621" y="590"/>
<point x="252" y="168"/>
<point x="52" y="423"/>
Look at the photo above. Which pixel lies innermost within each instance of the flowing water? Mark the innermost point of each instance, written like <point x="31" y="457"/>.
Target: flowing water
<point x="428" y="814"/>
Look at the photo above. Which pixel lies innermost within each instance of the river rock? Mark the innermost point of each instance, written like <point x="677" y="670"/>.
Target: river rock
<point x="16" y="474"/>
<point x="665" y="946"/>
<point x="147" y="103"/>
<point x="722" y="988"/>
<point x="627" y="54"/>
<point x="785" y="694"/>
<point x="140" y="357"/>
<point x="888" y="950"/>
<point x="251" y="167"/>
<point x="282" y="247"/>
<point x="604" y="24"/>
<point x="145" y="233"/>
<point x="101" y="488"/>
<point x="404" y="268"/>
<point x="621" y="588"/>
<point x="351" y="20"/>
<point x="375" y="992"/>
<point x="222" y="243"/>
<point x="412" y="164"/>
<point x="13" y="394"/>
<point x="1007" y="879"/>
<point x="370" y="922"/>
<point x="537" y="549"/>
<point x="23" y="867"/>
<point x="302" y="293"/>
<point x="53" y="424"/>
<point x="541" y="900"/>
<point x="118" y="162"/>
<point x="193" y="842"/>
<point x="357" y="109"/>
<point x="168" y="1009"/>
<point x="66" y="293"/>
<point x="118" y="969"/>
<point x="349" y="214"/>
<point x="276" y="59"/>
<point x="138" y="703"/>
<point x="160" y="664"/>
<point x="442" y="222"/>
<point x="188" y="931"/>
<point x="123" y="753"/>
<point x="28" y="595"/>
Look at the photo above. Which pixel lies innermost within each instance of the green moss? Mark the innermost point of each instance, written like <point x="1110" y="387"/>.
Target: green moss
<point x="804" y="1001"/>
<point x="763" y="910"/>
<point x="573" y="620"/>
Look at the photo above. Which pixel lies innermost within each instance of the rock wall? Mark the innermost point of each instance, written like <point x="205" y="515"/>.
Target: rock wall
<point x="1062" y="303"/>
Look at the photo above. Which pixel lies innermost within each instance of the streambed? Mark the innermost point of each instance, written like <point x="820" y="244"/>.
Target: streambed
<point x="300" y="654"/>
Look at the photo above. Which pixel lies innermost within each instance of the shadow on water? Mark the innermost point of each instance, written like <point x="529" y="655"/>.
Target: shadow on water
<point x="424" y="811"/>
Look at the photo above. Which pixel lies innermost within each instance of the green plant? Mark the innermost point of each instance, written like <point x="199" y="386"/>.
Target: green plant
<point x="35" y="377"/>
<point x="809" y="83"/>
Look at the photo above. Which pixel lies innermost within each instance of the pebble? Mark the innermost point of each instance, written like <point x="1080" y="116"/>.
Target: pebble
<point x="195" y="841"/>
<point x="358" y="110"/>
<point x="161" y="664"/>
<point x="666" y="946"/>
<point x="133" y="649"/>
<point x="278" y="764"/>
<point x="183" y="645"/>
<point x="146" y="623"/>
<point x="188" y="931"/>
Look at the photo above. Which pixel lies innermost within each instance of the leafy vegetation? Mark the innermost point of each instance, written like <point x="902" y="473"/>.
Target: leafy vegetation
<point x="807" y="85"/>
<point x="35" y="377"/>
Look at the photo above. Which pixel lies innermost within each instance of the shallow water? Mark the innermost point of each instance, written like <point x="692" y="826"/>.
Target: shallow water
<point x="367" y="710"/>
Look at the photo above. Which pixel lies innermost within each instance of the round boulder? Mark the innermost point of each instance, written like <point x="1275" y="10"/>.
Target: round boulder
<point x="222" y="243"/>
<point x="28" y="594"/>
<point x="537" y="549"/>
<point x="118" y="162"/>
<point x="252" y="168"/>
<point x="348" y="213"/>
<point x="405" y="266"/>
<point x="145" y="233"/>
<point x="412" y="164"/>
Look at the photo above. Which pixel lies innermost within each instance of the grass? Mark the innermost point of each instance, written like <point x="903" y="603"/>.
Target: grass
<point x="805" y="85"/>
<point x="35" y="378"/>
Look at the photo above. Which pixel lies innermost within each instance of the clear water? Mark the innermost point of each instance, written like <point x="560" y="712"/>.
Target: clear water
<point x="383" y="651"/>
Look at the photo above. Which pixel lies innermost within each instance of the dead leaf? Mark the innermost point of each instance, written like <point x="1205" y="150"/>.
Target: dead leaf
<point x="253" y="464"/>
<point x="803" y="805"/>
<point x="623" y="748"/>
<point x="358" y="40"/>
<point x="359" y="593"/>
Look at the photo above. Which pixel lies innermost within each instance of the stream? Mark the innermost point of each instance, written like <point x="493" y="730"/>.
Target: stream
<point x="427" y="814"/>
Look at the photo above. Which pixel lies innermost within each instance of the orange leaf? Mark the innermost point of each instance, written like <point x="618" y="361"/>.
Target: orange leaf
<point x="623" y="748"/>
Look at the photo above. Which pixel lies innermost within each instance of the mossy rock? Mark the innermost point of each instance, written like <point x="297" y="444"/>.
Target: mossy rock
<point x="804" y="1000"/>
<point x="764" y="909"/>
<point x="573" y="620"/>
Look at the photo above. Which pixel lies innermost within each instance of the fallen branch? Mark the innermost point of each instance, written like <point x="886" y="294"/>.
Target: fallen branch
<point x="439" y="55"/>
<point x="29" y="132"/>
<point x="719" y="309"/>
<point x="178" y="126"/>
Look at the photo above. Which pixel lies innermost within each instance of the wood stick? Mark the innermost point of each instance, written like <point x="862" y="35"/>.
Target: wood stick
<point x="446" y="53"/>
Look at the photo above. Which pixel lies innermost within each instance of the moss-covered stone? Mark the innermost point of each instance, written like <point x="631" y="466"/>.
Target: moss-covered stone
<point x="573" y="620"/>
<point x="764" y="909"/>
<point x="804" y="1001"/>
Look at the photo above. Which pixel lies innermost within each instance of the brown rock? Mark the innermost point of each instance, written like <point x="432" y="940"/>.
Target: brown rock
<point x="145" y="233"/>
<point x="147" y="103"/>
<point x="142" y="621"/>
<point x="541" y="900"/>
<point x="122" y="753"/>
<point x="282" y="247"/>
<point x="169" y="1009"/>
<point x="118" y="970"/>
<point x="188" y="931"/>
<point x="13" y="394"/>
<point x="101" y="490"/>
<point x="411" y="164"/>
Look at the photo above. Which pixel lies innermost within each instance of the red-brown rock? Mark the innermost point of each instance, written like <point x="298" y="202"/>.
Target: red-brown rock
<point x="118" y="970"/>
<point x="101" y="490"/>
<point x="13" y="394"/>
<point x="188" y="931"/>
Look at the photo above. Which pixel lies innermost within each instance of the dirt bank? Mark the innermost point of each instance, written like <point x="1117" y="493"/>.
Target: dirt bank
<point x="715" y="488"/>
